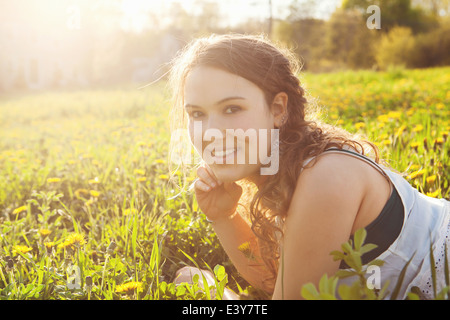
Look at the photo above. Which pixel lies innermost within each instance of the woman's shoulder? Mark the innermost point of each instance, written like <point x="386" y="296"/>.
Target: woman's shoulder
<point x="332" y="177"/>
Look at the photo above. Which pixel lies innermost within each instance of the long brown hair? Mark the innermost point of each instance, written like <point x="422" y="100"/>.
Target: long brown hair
<point x="273" y="69"/>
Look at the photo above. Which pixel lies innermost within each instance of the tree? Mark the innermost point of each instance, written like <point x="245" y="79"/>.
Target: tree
<point x="396" y="13"/>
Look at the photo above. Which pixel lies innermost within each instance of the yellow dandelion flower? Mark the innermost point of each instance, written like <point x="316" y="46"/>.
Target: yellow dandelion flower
<point x="438" y="141"/>
<point x="246" y="250"/>
<point x="44" y="232"/>
<point x="434" y="194"/>
<point x="129" y="287"/>
<point x="129" y="211"/>
<point x="416" y="174"/>
<point x="414" y="145"/>
<point x="20" y="209"/>
<point x="21" y="249"/>
<point x="94" y="193"/>
<point x="163" y="177"/>
<point x="414" y="167"/>
<point x="359" y="125"/>
<point x="142" y="179"/>
<point x="53" y="180"/>
<point x="140" y="172"/>
<point x="394" y="114"/>
<point x="73" y="241"/>
<point x="160" y="161"/>
<point x="431" y="179"/>
<point x="387" y="142"/>
<point x="49" y="245"/>
<point x="418" y="128"/>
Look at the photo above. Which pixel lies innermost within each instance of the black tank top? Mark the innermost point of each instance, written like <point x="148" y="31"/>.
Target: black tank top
<point x="387" y="226"/>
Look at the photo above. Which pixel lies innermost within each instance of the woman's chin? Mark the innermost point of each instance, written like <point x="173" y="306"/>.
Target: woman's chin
<point x="231" y="173"/>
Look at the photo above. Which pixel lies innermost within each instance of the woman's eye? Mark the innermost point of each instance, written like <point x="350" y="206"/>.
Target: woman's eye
<point x="232" y="109"/>
<point x="196" y="114"/>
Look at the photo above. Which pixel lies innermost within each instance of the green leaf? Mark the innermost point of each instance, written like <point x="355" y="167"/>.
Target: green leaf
<point x="337" y="255"/>
<point x="359" y="237"/>
<point x="220" y="273"/>
<point x="341" y="274"/>
<point x="376" y="262"/>
<point x="309" y="292"/>
<point x="367" y="248"/>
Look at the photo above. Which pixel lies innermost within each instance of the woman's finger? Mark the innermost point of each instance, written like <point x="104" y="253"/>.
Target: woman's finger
<point x="201" y="185"/>
<point x="211" y="173"/>
<point x="204" y="175"/>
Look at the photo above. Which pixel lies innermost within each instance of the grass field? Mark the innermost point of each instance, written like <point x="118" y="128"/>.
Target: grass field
<point x="86" y="208"/>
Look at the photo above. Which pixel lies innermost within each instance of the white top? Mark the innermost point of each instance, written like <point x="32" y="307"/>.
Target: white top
<point x="426" y="221"/>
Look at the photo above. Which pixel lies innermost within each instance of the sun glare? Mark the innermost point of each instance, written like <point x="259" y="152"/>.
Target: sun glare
<point x="136" y="13"/>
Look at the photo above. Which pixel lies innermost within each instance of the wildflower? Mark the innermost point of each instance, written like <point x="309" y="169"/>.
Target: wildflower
<point x="44" y="232"/>
<point x="359" y="125"/>
<point x="160" y="161"/>
<point x="94" y="193"/>
<point x="431" y="179"/>
<point x="246" y="250"/>
<point x="418" y="128"/>
<point x="142" y="179"/>
<point x="22" y="249"/>
<point x="20" y="209"/>
<point x="440" y="106"/>
<point x="129" y="287"/>
<point x="416" y="174"/>
<point x="140" y="172"/>
<point x="434" y="194"/>
<point x="444" y="135"/>
<point x="387" y="142"/>
<point x="438" y="142"/>
<point x="383" y="118"/>
<point x="394" y="114"/>
<point x="72" y="241"/>
<point x="53" y="180"/>
<point x="49" y="246"/>
<point x="129" y="211"/>
<point x="414" y="145"/>
<point x="163" y="177"/>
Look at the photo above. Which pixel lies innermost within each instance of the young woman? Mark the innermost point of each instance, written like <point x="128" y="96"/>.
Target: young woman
<point x="324" y="188"/>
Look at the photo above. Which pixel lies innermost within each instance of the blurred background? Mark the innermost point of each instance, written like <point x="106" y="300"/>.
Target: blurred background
<point x="63" y="44"/>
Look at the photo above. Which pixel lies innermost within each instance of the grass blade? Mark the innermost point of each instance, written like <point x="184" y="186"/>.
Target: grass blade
<point x="401" y="277"/>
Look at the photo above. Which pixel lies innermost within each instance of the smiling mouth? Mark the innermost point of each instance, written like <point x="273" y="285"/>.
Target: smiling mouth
<point x="223" y="153"/>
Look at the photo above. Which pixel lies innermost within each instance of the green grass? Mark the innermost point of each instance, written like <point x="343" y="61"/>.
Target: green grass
<point x="94" y="163"/>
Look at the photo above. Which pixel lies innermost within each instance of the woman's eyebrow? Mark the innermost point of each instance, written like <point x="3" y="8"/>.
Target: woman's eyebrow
<point x="217" y="103"/>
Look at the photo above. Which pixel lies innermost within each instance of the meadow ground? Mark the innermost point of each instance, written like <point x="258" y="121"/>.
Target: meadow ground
<point x="87" y="210"/>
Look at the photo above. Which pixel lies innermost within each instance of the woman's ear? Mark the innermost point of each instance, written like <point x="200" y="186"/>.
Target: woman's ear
<point x="279" y="108"/>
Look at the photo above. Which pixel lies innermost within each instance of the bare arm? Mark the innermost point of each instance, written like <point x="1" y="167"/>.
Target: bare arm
<point x="235" y="232"/>
<point x="320" y="218"/>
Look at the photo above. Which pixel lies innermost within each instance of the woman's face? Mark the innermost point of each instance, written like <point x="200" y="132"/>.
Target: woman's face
<point x="226" y="114"/>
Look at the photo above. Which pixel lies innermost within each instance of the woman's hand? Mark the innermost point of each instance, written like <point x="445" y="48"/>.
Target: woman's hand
<point x="216" y="199"/>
